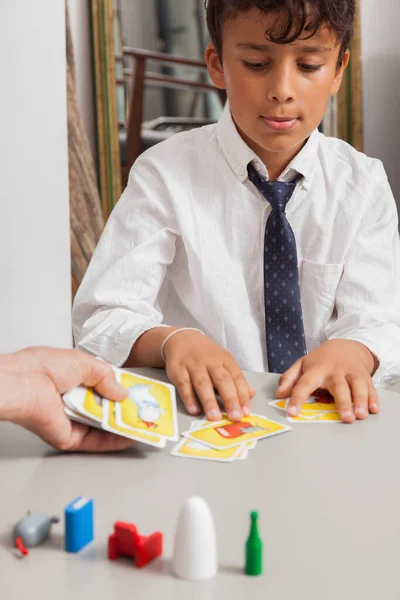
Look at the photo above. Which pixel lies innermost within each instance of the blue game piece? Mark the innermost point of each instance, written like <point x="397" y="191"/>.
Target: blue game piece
<point x="78" y="524"/>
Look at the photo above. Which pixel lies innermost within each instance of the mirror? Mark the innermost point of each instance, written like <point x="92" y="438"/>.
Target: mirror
<point x="151" y="82"/>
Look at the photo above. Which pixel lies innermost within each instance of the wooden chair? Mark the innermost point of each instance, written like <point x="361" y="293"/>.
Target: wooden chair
<point x="141" y="78"/>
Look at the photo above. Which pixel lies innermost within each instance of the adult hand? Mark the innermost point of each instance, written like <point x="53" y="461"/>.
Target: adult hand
<point x="31" y="384"/>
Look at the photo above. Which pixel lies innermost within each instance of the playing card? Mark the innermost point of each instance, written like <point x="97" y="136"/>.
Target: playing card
<point x="189" y="448"/>
<point x="317" y="409"/>
<point x="150" y="406"/>
<point x="318" y="403"/>
<point x="243" y="455"/>
<point x="327" y="417"/>
<point x="226" y="434"/>
<point x="85" y="402"/>
<point x="74" y="416"/>
<point x="109" y="424"/>
<point x="244" y="452"/>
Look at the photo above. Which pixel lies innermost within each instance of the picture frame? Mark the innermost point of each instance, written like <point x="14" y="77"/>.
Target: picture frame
<point x="108" y="153"/>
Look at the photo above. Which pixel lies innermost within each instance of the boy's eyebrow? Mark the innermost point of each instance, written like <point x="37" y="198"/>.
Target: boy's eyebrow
<point x="315" y="49"/>
<point x="306" y="49"/>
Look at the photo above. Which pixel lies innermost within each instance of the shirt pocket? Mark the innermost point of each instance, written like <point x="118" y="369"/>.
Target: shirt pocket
<point x="318" y="286"/>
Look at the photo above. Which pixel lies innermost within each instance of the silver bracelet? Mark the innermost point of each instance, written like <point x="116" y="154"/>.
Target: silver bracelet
<point x="173" y="333"/>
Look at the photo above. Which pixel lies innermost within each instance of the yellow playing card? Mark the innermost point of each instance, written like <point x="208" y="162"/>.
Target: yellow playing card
<point x="189" y="448"/>
<point x="109" y="424"/>
<point x="150" y="406"/>
<point x="327" y="417"/>
<point x="226" y="434"/>
<point x="85" y="402"/>
<point x="75" y="416"/>
<point x="312" y="405"/>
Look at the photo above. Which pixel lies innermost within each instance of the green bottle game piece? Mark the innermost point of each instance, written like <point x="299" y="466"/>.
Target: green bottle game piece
<point x="254" y="548"/>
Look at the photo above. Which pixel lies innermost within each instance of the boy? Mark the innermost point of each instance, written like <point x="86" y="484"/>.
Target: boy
<point x="200" y="264"/>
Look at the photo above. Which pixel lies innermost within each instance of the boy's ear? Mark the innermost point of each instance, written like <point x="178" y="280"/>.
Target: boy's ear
<point x="337" y="82"/>
<point x="214" y="67"/>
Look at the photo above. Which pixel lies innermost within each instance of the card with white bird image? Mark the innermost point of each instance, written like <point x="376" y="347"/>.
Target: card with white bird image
<point x="150" y="406"/>
<point x="109" y="424"/>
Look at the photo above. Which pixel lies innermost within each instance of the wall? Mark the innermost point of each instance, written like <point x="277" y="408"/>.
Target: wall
<point x="34" y="205"/>
<point x="381" y="81"/>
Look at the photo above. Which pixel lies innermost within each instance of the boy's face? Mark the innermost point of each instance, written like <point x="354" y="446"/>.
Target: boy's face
<point x="278" y="93"/>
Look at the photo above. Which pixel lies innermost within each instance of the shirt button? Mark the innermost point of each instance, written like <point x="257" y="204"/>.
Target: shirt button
<point x="240" y="170"/>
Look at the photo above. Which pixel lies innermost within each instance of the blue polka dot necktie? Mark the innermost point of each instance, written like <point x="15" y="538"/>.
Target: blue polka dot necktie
<point x="283" y="314"/>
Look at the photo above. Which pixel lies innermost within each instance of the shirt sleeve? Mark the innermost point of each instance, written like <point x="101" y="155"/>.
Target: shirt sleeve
<point x="368" y="296"/>
<point x="117" y="300"/>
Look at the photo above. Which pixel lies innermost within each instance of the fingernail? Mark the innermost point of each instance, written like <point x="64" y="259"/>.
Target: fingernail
<point x="193" y="410"/>
<point x="235" y="415"/>
<point x="246" y="411"/>
<point x="374" y="407"/>
<point x="292" y="411"/>
<point x="361" y="412"/>
<point x="347" y="414"/>
<point x="214" y="414"/>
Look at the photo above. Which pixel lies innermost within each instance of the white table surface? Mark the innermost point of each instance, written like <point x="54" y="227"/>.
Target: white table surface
<point x="328" y="496"/>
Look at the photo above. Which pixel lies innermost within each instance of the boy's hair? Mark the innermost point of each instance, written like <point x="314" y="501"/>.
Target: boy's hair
<point x="303" y="16"/>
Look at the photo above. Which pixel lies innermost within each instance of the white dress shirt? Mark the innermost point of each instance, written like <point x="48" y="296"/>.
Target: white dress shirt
<point x="184" y="247"/>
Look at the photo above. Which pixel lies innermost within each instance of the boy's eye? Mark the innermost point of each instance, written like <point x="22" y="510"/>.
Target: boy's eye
<point x="255" y="66"/>
<point x="310" y="68"/>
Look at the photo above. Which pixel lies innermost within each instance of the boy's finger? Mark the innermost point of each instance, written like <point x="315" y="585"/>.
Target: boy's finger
<point x="183" y="384"/>
<point x="359" y="392"/>
<point x="289" y="379"/>
<point x="374" y="405"/>
<point x="342" y="395"/>
<point x="243" y="390"/>
<point x="204" y="389"/>
<point x="226" y="387"/>
<point x="306" y="385"/>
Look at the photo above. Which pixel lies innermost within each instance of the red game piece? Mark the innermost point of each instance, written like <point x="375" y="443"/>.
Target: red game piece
<point x="126" y="541"/>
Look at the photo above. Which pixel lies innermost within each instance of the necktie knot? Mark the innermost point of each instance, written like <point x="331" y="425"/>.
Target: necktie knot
<point x="277" y="193"/>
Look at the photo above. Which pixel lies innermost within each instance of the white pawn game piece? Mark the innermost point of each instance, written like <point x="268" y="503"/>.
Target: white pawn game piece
<point x="195" y="547"/>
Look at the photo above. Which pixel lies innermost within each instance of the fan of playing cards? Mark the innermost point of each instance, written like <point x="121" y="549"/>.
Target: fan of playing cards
<point x="148" y="414"/>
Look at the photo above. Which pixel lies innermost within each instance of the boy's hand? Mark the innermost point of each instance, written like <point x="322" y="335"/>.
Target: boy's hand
<point x="343" y="367"/>
<point x="198" y="366"/>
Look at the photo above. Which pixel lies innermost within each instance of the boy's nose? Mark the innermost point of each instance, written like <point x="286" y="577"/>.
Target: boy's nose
<point x="281" y="88"/>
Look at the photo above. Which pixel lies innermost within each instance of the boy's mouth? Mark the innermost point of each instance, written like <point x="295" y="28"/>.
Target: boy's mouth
<point x="280" y="123"/>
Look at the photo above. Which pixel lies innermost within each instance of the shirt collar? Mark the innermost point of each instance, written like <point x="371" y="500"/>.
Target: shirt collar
<point x="239" y="154"/>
